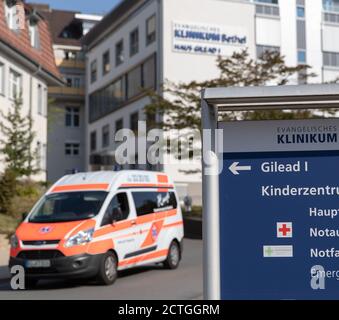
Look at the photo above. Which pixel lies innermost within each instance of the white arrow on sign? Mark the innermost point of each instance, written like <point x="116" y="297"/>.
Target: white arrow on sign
<point x="235" y="168"/>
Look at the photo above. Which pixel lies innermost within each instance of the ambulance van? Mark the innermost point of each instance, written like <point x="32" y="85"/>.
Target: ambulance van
<point x="91" y="225"/>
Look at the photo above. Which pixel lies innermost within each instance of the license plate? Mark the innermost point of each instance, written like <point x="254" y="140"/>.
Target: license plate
<point x="38" y="263"/>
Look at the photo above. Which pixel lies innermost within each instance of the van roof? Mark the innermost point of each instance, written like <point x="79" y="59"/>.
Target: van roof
<point x="106" y="180"/>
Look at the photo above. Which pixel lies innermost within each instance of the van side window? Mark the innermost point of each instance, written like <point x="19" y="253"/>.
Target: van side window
<point x="119" y="201"/>
<point x="147" y="202"/>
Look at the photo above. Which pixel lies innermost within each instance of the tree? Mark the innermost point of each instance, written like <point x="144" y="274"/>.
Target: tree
<point x="7" y="191"/>
<point x="16" y="141"/>
<point x="178" y="105"/>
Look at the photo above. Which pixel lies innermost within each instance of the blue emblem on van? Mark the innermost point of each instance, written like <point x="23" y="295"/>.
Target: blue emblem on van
<point x="46" y="229"/>
<point x="154" y="232"/>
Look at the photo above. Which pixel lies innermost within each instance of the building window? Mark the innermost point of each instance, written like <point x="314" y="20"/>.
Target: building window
<point x="76" y="82"/>
<point x="93" y="71"/>
<point x="331" y="5"/>
<point x="119" y="53"/>
<point x="106" y="100"/>
<point x="134" y="118"/>
<point x="301" y="34"/>
<point x="15" y="85"/>
<point x="41" y="155"/>
<point x="11" y="14"/>
<point x="72" y="117"/>
<point x="302" y="77"/>
<point x="106" y="65"/>
<point x="149" y="73"/>
<point x="33" y="31"/>
<point x="134" y="83"/>
<point x="40" y="99"/>
<point x="73" y="82"/>
<point x="134" y="42"/>
<point x="300" y="12"/>
<point x="128" y="86"/>
<point x="150" y="30"/>
<point x="105" y="136"/>
<point x="268" y="1"/>
<point x="2" y="78"/>
<point x="93" y="141"/>
<point x="262" y="49"/>
<point x="71" y="55"/>
<point x="301" y="56"/>
<point x="119" y="124"/>
<point x="72" y="148"/>
<point x="267" y="7"/>
<point x="331" y="59"/>
<point x="43" y="162"/>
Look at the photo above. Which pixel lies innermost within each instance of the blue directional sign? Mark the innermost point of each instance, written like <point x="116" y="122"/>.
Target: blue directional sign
<point x="279" y="225"/>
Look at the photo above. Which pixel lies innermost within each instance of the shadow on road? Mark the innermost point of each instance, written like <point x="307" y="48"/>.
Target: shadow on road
<point x="70" y="283"/>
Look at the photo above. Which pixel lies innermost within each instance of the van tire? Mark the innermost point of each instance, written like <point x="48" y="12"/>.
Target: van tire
<point x="108" y="269"/>
<point x="173" y="257"/>
<point x="31" y="283"/>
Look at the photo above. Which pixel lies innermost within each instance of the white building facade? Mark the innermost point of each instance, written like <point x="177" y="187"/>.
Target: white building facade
<point x="66" y="125"/>
<point x="143" y="43"/>
<point x="24" y="41"/>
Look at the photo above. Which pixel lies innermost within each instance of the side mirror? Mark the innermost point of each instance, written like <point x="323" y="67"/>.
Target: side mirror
<point x="115" y="215"/>
<point x="24" y="216"/>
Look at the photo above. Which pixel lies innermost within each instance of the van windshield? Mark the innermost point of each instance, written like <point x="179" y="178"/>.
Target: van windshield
<point x="68" y="206"/>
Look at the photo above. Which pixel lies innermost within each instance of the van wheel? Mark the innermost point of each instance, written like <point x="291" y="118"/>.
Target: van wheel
<point x="30" y="283"/>
<point x="108" y="270"/>
<point x="173" y="257"/>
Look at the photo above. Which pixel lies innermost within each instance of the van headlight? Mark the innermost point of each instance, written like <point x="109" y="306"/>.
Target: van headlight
<point x="14" y="241"/>
<point x="81" y="238"/>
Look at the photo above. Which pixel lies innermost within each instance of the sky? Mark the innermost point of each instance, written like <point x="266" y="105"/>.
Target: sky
<point x="84" y="6"/>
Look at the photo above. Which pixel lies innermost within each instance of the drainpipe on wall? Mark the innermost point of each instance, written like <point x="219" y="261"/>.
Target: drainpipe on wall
<point x="30" y="112"/>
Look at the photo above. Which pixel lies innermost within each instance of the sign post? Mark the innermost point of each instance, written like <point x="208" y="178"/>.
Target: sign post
<point x="270" y="196"/>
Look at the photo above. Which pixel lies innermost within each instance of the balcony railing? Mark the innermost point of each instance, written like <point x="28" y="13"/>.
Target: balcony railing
<point x="66" y="91"/>
<point x="71" y="63"/>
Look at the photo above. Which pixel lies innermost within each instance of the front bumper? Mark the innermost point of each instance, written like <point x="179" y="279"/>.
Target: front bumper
<point x="78" y="266"/>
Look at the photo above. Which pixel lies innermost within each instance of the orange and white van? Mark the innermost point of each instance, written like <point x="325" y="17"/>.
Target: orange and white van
<point x="91" y="225"/>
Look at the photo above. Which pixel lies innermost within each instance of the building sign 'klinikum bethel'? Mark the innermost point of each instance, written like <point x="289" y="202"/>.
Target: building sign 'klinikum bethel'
<point x="207" y="39"/>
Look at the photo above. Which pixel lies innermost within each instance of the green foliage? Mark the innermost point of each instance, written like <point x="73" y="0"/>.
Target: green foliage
<point x="7" y="191"/>
<point x="18" y="196"/>
<point x="17" y="139"/>
<point x="17" y="192"/>
<point x="27" y="194"/>
<point x="179" y="103"/>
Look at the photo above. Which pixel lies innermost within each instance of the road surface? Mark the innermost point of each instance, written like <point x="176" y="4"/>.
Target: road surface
<point x="151" y="282"/>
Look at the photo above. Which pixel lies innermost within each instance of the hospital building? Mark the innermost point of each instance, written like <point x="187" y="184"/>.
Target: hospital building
<point x="142" y="43"/>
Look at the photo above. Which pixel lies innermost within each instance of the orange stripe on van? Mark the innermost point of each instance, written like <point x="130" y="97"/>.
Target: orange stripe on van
<point x="144" y="257"/>
<point x="175" y="224"/>
<point x="78" y="187"/>
<point x="139" y="220"/>
<point x="113" y="228"/>
<point x="162" y="178"/>
<point x="146" y="185"/>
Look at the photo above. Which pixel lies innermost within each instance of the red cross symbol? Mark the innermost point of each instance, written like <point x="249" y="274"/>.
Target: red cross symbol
<point x="284" y="229"/>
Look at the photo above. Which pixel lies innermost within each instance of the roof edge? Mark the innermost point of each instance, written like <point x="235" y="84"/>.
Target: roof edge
<point x="30" y="64"/>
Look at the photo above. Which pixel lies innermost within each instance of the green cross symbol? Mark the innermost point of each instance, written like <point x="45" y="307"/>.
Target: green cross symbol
<point x="269" y="251"/>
